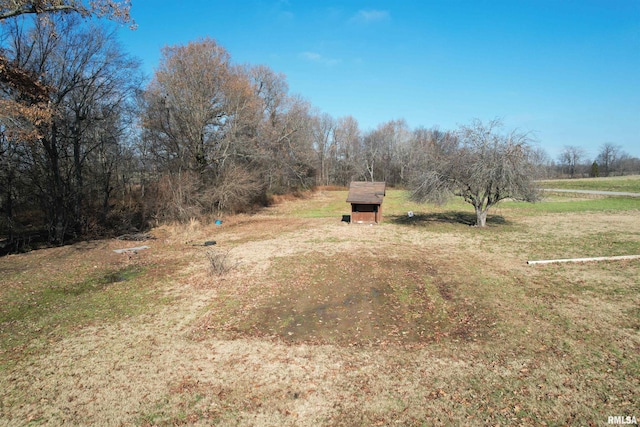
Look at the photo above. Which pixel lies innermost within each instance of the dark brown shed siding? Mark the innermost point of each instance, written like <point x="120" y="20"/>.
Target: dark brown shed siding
<point x="366" y="213"/>
<point x="366" y="201"/>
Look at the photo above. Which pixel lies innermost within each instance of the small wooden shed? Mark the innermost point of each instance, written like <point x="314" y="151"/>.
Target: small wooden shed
<point x="366" y="201"/>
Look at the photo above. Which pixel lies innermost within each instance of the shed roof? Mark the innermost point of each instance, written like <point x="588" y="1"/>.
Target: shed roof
<point x="366" y="192"/>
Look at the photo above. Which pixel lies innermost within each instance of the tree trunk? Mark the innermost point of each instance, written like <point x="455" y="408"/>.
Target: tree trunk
<point x="107" y="189"/>
<point x="8" y="206"/>
<point x="481" y="217"/>
<point x="79" y="182"/>
<point x="56" y="198"/>
<point x="370" y="170"/>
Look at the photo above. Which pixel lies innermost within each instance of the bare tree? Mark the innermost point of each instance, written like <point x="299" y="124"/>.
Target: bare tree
<point x="372" y="152"/>
<point x="399" y="152"/>
<point x="206" y="117"/>
<point x="346" y="136"/>
<point x="13" y="181"/>
<point x="188" y="106"/>
<point x="543" y="163"/>
<point x="282" y="148"/>
<point x="272" y="89"/>
<point x="112" y="9"/>
<point x="386" y="150"/>
<point x="481" y="165"/>
<point x="571" y="158"/>
<point x="28" y="108"/>
<point x="324" y="144"/>
<point x="628" y="164"/>
<point x="287" y="157"/>
<point x="430" y="145"/>
<point x="608" y="158"/>
<point x="92" y="80"/>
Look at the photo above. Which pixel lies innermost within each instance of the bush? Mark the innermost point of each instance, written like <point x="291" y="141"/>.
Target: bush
<point x="220" y="262"/>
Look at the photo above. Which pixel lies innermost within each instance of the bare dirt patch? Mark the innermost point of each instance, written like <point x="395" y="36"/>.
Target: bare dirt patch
<point x="352" y="300"/>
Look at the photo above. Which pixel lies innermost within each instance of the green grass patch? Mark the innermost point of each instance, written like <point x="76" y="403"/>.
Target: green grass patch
<point x="568" y="204"/>
<point x="30" y="317"/>
<point x="630" y="184"/>
<point x="397" y="202"/>
<point x="334" y="205"/>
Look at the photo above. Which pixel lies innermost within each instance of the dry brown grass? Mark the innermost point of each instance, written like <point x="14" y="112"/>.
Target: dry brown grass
<point x="453" y="329"/>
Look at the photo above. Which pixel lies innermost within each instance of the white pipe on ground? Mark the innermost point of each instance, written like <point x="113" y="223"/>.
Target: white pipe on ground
<point x="601" y="258"/>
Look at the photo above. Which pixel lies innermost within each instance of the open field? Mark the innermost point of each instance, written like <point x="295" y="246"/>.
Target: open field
<point x="295" y="318"/>
<point x="629" y="184"/>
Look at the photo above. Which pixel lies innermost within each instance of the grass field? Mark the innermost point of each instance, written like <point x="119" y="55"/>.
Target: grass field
<point x="629" y="184"/>
<point x="296" y="318"/>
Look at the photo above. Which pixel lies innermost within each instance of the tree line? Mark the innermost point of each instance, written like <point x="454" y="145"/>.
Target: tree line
<point x="611" y="160"/>
<point x="87" y="148"/>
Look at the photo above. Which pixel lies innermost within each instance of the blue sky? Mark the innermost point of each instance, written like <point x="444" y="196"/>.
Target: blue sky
<point x="566" y="71"/>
